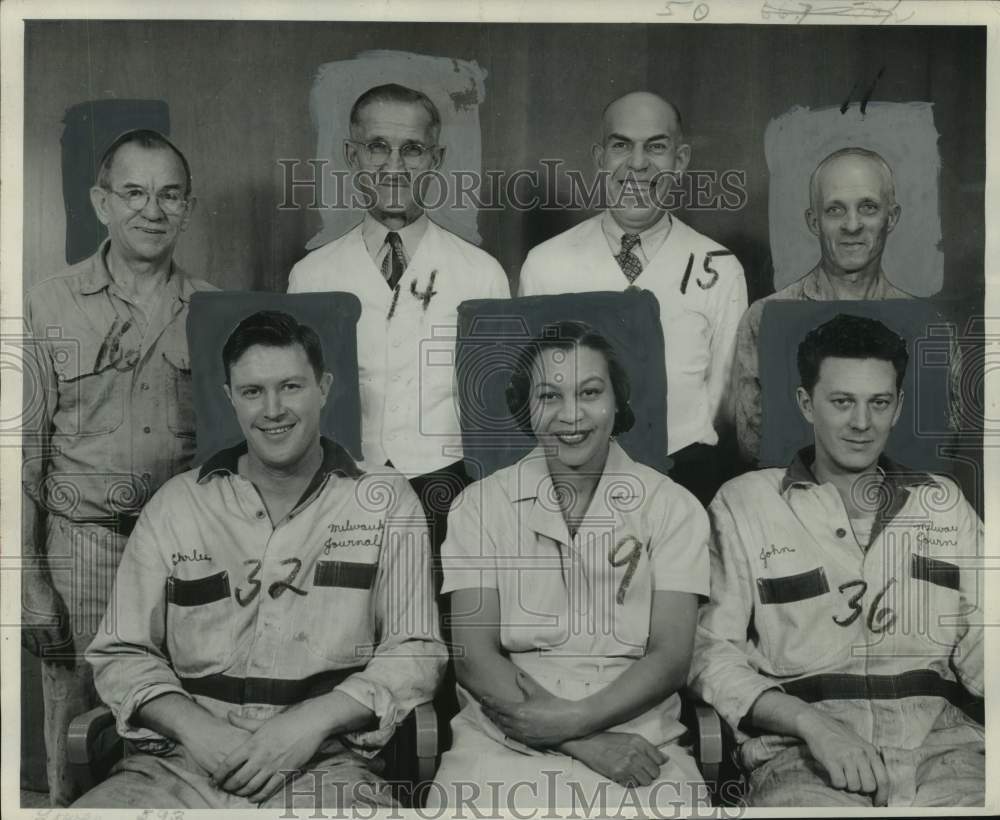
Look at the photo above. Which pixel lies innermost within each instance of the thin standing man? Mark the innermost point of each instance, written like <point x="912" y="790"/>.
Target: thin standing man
<point x="410" y="275"/>
<point x="852" y="211"/>
<point x="108" y="416"/>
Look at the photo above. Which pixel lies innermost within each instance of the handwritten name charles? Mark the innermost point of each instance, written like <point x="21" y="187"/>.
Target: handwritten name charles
<point x="195" y="555"/>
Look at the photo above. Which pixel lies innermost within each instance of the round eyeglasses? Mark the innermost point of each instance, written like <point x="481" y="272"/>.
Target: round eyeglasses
<point x="170" y="201"/>
<point x="379" y="151"/>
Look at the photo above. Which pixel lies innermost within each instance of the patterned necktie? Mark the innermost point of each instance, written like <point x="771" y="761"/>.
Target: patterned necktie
<point x="628" y="261"/>
<point x="394" y="263"/>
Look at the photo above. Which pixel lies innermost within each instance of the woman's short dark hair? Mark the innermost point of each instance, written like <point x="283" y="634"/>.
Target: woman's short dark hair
<point x="565" y="335"/>
<point x="850" y="337"/>
<point x="272" y="328"/>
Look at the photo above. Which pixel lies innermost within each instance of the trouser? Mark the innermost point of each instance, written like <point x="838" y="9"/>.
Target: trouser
<point x="698" y="470"/>
<point x="82" y="560"/>
<point x="936" y="774"/>
<point x="337" y="778"/>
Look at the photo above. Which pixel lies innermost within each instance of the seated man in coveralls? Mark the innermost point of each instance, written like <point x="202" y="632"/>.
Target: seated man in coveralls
<point x="843" y="637"/>
<point x="273" y="612"/>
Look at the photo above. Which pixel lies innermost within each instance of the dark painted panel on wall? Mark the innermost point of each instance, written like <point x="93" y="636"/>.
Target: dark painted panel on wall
<point x="89" y="128"/>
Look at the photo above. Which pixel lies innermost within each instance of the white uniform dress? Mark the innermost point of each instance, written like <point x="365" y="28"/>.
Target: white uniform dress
<point x="406" y="340"/>
<point x="702" y="295"/>
<point x="572" y="615"/>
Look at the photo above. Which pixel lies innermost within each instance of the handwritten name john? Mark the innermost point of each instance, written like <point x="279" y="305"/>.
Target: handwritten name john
<point x="766" y="553"/>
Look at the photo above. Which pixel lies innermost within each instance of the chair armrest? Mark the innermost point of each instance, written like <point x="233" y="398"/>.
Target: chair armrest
<point x="85" y="732"/>
<point x="427" y="741"/>
<point x="705" y="727"/>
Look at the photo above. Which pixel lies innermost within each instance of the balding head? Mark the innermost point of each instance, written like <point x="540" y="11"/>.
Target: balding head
<point x="642" y="153"/>
<point x="853" y="210"/>
<point x="644" y="106"/>
<point x="852" y="160"/>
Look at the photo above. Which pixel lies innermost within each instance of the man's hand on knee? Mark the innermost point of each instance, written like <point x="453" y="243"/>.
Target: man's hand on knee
<point x="213" y="741"/>
<point x="256" y="769"/>
<point x="851" y="763"/>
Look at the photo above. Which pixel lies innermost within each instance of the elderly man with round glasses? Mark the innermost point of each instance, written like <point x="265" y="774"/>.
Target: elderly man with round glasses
<point x="108" y="416"/>
<point x="410" y="275"/>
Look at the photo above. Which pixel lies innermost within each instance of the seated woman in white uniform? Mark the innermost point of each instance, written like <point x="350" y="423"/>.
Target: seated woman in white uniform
<point x="574" y="578"/>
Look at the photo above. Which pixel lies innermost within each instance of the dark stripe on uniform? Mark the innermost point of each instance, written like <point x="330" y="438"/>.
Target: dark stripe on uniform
<point x="350" y="574"/>
<point x="918" y="683"/>
<point x="270" y="691"/>
<point x="934" y="571"/>
<point x="198" y="591"/>
<point x="790" y="588"/>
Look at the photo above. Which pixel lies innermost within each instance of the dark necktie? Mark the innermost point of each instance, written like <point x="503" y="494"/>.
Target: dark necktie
<point x="394" y="263"/>
<point x="628" y="261"/>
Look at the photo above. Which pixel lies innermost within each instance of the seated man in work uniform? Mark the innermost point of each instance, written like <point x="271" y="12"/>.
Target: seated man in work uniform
<point x="273" y="612"/>
<point x="843" y="637"/>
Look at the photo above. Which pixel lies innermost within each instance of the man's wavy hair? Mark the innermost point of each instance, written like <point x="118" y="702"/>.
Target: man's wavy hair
<point x="566" y="335"/>
<point x="850" y="337"/>
<point x="272" y="328"/>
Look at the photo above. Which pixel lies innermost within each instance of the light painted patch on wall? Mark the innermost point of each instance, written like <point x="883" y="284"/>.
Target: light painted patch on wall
<point x="457" y="88"/>
<point x="905" y="136"/>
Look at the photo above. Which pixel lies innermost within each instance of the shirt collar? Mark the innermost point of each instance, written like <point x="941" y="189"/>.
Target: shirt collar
<point x="534" y="479"/>
<point x="650" y="239"/>
<point x="799" y="473"/>
<point x="615" y="492"/>
<point x="336" y="460"/>
<point x="818" y="287"/>
<point x="97" y="277"/>
<point x="374" y="232"/>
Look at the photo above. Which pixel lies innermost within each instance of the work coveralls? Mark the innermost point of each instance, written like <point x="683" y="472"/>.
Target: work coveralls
<point x="887" y="640"/>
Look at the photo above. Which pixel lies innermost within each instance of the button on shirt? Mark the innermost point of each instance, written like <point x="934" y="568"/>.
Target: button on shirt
<point x="214" y="602"/>
<point x="406" y="337"/>
<point x="887" y="639"/>
<point x="578" y="607"/>
<point x="108" y="405"/>
<point x="702" y="295"/>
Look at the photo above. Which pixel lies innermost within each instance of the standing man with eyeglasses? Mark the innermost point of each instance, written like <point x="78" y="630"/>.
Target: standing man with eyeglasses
<point x="637" y="242"/>
<point x="410" y="275"/>
<point x="108" y="416"/>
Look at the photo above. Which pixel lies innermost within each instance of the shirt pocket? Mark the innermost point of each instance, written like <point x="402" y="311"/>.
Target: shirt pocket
<point x="93" y="388"/>
<point x="337" y="620"/>
<point x="795" y="623"/>
<point x="179" y="393"/>
<point x="936" y="591"/>
<point x="201" y="623"/>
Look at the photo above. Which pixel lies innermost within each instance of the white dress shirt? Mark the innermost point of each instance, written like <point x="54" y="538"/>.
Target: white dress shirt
<point x="406" y="338"/>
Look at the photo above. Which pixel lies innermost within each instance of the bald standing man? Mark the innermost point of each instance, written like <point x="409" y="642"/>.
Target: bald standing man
<point x="852" y="211"/>
<point x="637" y="242"/>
